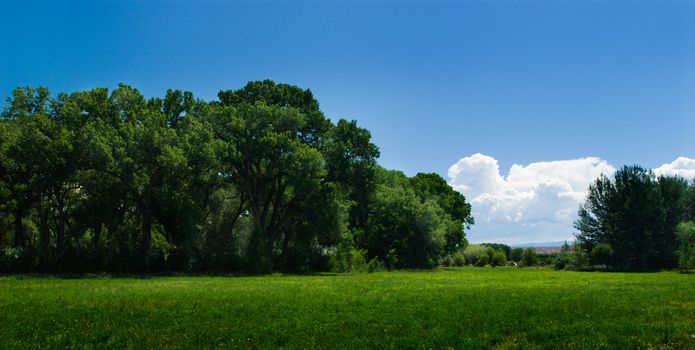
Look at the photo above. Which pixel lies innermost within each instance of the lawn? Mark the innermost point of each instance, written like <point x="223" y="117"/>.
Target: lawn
<point x="452" y="308"/>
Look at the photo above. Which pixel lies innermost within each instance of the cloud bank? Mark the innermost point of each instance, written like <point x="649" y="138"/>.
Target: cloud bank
<point x="682" y="166"/>
<point x="537" y="202"/>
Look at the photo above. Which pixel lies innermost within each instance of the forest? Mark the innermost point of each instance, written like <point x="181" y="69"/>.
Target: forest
<point x="259" y="180"/>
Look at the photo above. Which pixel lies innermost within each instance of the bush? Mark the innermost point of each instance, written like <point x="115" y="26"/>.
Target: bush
<point x="333" y="264"/>
<point x="11" y="259"/>
<point x="458" y="259"/>
<point x="473" y="253"/>
<point x="482" y="261"/>
<point x="375" y="265"/>
<point x="562" y="261"/>
<point x="515" y="255"/>
<point x="489" y="252"/>
<point x="358" y="262"/>
<point x="686" y="249"/>
<point x="501" y="247"/>
<point x="447" y="260"/>
<point x="579" y="259"/>
<point x="546" y="259"/>
<point x="529" y="257"/>
<point x="498" y="259"/>
<point x="601" y="254"/>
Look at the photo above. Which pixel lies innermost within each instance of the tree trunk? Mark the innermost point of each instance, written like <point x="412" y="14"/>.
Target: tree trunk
<point x="45" y="258"/>
<point x="146" y="236"/>
<point x="18" y="230"/>
<point x="270" y="240"/>
<point x="61" y="235"/>
<point x="264" y="232"/>
<point x="286" y="243"/>
<point x="96" y="245"/>
<point x="96" y="237"/>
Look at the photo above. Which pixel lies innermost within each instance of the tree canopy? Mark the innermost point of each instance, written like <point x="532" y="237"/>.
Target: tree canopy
<point x="256" y="180"/>
<point x="629" y="221"/>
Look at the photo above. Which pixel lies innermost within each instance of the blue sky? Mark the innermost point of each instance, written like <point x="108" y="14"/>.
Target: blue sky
<point x="519" y="81"/>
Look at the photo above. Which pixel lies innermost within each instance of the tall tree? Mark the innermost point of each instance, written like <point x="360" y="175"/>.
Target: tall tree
<point x="27" y="153"/>
<point x="351" y="161"/>
<point x="636" y="215"/>
<point x="434" y="187"/>
<point x="270" y="163"/>
<point x="403" y="231"/>
<point x="153" y="156"/>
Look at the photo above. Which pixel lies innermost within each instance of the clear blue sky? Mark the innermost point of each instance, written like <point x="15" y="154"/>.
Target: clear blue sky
<point x="434" y="81"/>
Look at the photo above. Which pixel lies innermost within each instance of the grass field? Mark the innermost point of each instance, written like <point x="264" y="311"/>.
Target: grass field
<point x="458" y="308"/>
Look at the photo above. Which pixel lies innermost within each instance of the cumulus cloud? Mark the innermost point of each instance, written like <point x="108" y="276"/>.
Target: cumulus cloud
<point x="533" y="202"/>
<point x="682" y="166"/>
<point x="537" y="202"/>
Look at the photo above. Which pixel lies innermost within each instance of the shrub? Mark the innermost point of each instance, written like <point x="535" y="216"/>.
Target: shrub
<point x="447" y="260"/>
<point x="473" y="253"/>
<point x="501" y="247"/>
<point x="516" y="254"/>
<point x="458" y="259"/>
<point x="686" y="250"/>
<point x="333" y="264"/>
<point x="579" y="259"/>
<point x="601" y="254"/>
<point x="482" y="261"/>
<point x="498" y="259"/>
<point x="11" y="259"/>
<point x="529" y="257"/>
<point x="375" y="265"/>
<point x="489" y="252"/>
<point x="358" y="262"/>
<point x="562" y="261"/>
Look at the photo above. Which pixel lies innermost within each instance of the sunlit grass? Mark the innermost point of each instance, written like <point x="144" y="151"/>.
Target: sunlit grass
<point x="459" y="308"/>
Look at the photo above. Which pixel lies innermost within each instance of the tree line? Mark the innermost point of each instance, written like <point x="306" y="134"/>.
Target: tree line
<point x="257" y="180"/>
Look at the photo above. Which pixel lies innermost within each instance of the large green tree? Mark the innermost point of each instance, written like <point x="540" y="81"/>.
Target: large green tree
<point x="636" y="214"/>
<point x="270" y="163"/>
<point x="403" y="230"/>
<point x="434" y="187"/>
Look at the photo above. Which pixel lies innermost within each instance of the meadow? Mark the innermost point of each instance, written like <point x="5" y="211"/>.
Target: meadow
<point x="472" y="308"/>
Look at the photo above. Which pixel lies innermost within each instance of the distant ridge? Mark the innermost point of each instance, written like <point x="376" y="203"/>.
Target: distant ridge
<point x="543" y="244"/>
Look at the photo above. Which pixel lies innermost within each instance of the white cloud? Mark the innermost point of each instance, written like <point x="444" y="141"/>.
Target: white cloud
<point x="535" y="202"/>
<point x="682" y="166"/>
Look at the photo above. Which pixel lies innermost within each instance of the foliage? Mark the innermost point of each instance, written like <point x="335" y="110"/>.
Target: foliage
<point x="529" y="257"/>
<point x="498" y="258"/>
<point x="434" y="187"/>
<point x="601" y="254"/>
<point x="474" y="252"/>
<point x="483" y="260"/>
<point x="458" y="259"/>
<point x="579" y="259"/>
<point x="402" y="230"/>
<point x="561" y="261"/>
<point x="636" y="214"/>
<point x="507" y="250"/>
<point x="686" y="250"/>
<point x="258" y="180"/>
<point x="515" y="254"/>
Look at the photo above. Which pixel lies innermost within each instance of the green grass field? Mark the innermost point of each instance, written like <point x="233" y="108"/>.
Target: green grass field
<point x="456" y="308"/>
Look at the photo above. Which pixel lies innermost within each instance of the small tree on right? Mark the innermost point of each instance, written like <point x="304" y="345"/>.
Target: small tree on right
<point x="686" y="250"/>
<point x="635" y="214"/>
